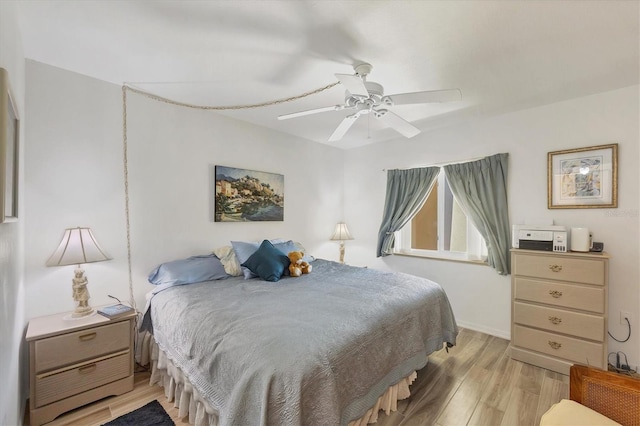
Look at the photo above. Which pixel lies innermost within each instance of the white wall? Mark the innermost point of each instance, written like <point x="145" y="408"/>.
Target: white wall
<point x="75" y="177"/>
<point x="13" y="360"/>
<point x="172" y="154"/>
<point x="480" y="297"/>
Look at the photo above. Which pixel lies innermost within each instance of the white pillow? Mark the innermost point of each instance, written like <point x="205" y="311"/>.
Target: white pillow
<point x="228" y="259"/>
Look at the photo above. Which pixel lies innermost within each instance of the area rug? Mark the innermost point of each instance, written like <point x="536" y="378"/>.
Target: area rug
<point x="151" y="414"/>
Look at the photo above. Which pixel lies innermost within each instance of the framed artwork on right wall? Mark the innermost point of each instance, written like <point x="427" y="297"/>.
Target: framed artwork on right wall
<point x="583" y="178"/>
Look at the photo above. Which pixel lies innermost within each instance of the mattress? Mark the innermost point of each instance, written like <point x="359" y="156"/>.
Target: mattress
<point x="318" y="349"/>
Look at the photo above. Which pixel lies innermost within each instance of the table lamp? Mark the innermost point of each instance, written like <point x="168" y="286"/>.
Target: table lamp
<point x="341" y="234"/>
<point x="78" y="246"/>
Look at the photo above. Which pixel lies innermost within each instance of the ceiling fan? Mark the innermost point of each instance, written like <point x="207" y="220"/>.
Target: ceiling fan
<point x="367" y="97"/>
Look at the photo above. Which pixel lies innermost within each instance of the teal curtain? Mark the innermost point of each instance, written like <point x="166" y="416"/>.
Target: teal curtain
<point x="480" y="187"/>
<point x="407" y="191"/>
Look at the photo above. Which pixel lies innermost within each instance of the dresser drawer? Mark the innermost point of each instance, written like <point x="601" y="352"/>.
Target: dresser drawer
<point x="67" y="349"/>
<point x="57" y="385"/>
<point x="559" y="321"/>
<point x="569" y="348"/>
<point x="560" y="294"/>
<point x="588" y="271"/>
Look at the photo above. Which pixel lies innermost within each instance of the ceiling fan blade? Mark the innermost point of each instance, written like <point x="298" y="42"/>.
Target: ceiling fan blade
<point x="343" y="127"/>
<point x="312" y="111"/>
<point x="433" y="96"/>
<point x="397" y="123"/>
<point x="353" y="84"/>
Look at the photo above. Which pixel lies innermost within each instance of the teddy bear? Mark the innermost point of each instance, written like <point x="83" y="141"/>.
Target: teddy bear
<point x="298" y="266"/>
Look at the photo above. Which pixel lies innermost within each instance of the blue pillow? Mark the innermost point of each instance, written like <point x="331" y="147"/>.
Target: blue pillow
<point x="267" y="262"/>
<point x="290" y="246"/>
<point x="243" y="251"/>
<point x="188" y="271"/>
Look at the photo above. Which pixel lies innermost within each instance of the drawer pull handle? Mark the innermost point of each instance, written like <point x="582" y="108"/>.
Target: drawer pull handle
<point x="87" y="369"/>
<point x="555" y="268"/>
<point x="555" y="320"/>
<point x="555" y="345"/>
<point x="86" y="337"/>
<point x="555" y="293"/>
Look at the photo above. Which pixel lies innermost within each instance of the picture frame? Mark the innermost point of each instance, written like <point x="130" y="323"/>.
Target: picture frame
<point x="243" y="195"/>
<point x="9" y="151"/>
<point x="583" y="178"/>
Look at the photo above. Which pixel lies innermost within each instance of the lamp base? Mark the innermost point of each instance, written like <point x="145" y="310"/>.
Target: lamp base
<point x="80" y="294"/>
<point x="70" y="317"/>
<point x="82" y="311"/>
<point x="341" y="251"/>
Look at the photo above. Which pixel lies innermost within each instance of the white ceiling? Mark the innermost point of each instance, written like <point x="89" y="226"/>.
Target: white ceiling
<point x="503" y="55"/>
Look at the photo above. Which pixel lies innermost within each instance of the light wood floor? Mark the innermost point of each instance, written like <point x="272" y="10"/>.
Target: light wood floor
<point x="476" y="383"/>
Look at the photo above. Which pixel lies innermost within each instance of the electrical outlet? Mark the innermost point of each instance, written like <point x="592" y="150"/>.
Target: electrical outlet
<point x="624" y="315"/>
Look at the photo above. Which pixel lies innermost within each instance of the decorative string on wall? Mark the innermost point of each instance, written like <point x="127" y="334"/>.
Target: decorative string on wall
<point x="157" y="98"/>
<point x="229" y="107"/>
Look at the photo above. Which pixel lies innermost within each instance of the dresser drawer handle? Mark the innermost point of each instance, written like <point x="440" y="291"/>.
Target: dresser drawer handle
<point x="86" y="337"/>
<point x="555" y="320"/>
<point x="555" y="345"/>
<point x="87" y="369"/>
<point x="555" y="268"/>
<point x="555" y="293"/>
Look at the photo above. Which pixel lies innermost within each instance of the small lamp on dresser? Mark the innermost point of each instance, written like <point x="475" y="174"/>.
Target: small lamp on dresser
<point x="78" y="246"/>
<point x="341" y="234"/>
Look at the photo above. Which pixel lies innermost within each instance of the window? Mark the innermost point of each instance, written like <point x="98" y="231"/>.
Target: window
<point x="441" y="229"/>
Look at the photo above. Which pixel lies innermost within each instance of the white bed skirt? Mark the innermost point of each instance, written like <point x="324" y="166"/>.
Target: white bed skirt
<point x="178" y="389"/>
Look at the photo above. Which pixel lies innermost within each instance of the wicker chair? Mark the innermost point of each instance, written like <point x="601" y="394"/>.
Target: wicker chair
<point x="592" y="391"/>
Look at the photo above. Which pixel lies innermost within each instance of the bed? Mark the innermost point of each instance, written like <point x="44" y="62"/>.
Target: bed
<point x="329" y="348"/>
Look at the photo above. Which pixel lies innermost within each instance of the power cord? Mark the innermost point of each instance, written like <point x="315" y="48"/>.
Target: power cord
<point x="622" y="368"/>
<point x="139" y="367"/>
<point x="628" y="336"/>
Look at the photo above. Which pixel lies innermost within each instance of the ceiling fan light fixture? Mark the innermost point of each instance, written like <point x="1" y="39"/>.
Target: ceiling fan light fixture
<point x="368" y="97"/>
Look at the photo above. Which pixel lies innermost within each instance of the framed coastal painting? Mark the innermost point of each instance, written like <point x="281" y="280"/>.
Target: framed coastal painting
<point x="9" y="144"/>
<point x="583" y="178"/>
<point x="243" y="195"/>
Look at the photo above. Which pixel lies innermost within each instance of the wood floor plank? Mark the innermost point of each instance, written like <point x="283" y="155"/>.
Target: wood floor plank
<point x="554" y="388"/>
<point x="485" y="415"/>
<point x="493" y="353"/>
<point x="521" y="410"/>
<point x="475" y="383"/>
<point x="428" y="407"/>
<point x="463" y="403"/>
<point x="530" y="379"/>
<point x="503" y="381"/>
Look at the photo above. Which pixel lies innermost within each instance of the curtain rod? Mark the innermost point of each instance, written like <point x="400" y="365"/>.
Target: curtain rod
<point x="442" y="164"/>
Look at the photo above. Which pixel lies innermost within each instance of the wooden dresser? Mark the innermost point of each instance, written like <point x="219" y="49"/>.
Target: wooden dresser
<point x="559" y="309"/>
<point x="75" y="362"/>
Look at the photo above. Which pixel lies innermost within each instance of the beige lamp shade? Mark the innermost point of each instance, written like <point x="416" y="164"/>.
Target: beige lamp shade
<point x="78" y="246"/>
<point x="342" y="232"/>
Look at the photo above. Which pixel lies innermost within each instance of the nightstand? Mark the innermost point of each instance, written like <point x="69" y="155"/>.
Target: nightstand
<point x="75" y="362"/>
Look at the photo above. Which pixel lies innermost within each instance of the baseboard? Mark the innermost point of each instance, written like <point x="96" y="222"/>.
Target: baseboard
<point x="487" y="330"/>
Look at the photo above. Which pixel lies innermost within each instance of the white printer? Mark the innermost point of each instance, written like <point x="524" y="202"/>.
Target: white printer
<point x="545" y="238"/>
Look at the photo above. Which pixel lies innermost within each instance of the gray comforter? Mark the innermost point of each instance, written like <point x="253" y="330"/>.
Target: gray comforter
<point x="314" y="350"/>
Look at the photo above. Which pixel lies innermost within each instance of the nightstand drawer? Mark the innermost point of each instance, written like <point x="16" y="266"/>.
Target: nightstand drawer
<point x="559" y="321"/>
<point x="57" y="385"/>
<point x="587" y="298"/>
<point x="571" y="349"/>
<point x="561" y="268"/>
<point x="70" y="348"/>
